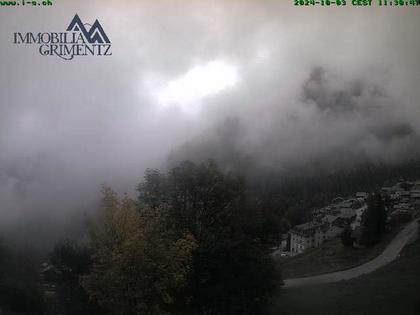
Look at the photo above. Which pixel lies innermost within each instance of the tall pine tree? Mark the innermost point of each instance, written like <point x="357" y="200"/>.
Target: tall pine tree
<point x="374" y="220"/>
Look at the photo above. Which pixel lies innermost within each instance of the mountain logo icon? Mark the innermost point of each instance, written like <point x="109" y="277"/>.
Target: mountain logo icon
<point x="94" y="34"/>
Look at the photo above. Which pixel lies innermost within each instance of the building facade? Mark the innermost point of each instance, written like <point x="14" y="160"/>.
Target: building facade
<point x="307" y="235"/>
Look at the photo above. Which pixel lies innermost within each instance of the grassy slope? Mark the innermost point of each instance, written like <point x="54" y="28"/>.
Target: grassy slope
<point x="394" y="289"/>
<point x="329" y="257"/>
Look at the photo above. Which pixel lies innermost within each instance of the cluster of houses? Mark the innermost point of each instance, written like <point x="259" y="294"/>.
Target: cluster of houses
<point x="403" y="200"/>
<point x="327" y="223"/>
<point x="402" y="203"/>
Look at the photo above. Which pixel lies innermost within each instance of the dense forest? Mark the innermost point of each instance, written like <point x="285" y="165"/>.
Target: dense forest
<point x="196" y="240"/>
<point x="20" y="283"/>
<point x="296" y="195"/>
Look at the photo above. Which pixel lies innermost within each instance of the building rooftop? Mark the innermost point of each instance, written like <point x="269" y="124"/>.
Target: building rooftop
<point x="346" y="213"/>
<point x="329" y="218"/>
<point x="306" y="228"/>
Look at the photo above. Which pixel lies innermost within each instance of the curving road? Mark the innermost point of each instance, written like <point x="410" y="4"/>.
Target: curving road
<point x="408" y="234"/>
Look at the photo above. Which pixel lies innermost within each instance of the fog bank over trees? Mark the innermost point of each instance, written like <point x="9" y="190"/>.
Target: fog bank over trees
<point x="317" y="90"/>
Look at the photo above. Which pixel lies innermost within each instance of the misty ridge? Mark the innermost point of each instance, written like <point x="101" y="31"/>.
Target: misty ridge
<point x="338" y="125"/>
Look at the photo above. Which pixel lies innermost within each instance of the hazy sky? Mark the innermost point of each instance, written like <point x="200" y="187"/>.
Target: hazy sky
<point x="278" y="83"/>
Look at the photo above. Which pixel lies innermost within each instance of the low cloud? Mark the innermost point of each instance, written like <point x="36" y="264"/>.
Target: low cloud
<point x="337" y="86"/>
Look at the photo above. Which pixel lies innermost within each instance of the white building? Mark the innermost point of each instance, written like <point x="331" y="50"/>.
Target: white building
<point x="362" y="195"/>
<point x="304" y="236"/>
<point x="415" y="197"/>
<point x="333" y="232"/>
<point x="359" y="215"/>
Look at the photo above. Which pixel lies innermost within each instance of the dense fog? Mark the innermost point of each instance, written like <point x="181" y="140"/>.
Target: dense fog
<point x="259" y="83"/>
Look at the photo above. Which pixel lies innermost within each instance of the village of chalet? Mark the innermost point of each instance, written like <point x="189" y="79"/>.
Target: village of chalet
<point x="402" y="205"/>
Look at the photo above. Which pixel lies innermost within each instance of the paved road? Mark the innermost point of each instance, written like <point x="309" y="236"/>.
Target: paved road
<point x="407" y="235"/>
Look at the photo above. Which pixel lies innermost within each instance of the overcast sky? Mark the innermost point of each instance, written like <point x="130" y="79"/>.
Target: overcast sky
<point x="293" y="83"/>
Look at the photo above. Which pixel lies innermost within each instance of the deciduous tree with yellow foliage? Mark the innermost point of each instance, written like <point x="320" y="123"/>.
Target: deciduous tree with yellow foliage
<point x="139" y="264"/>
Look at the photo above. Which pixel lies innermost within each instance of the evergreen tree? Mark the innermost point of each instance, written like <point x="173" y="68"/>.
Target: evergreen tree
<point x="346" y="237"/>
<point x="374" y="220"/>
